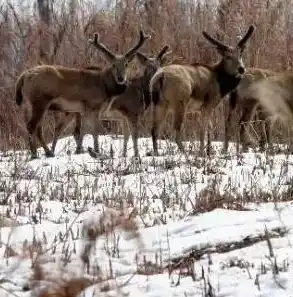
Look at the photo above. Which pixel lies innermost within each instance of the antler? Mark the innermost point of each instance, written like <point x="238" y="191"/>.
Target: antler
<point x="216" y="42"/>
<point x="142" y="39"/>
<point x="96" y="42"/>
<point x="163" y="52"/>
<point x="244" y="39"/>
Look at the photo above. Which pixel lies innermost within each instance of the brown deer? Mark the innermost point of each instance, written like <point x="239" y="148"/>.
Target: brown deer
<point x="71" y="90"/>
<point x="245" y="108"/>
<point x="61" y="122"/>
<point x="197" y="87"/>
<point x="133" y="103"/>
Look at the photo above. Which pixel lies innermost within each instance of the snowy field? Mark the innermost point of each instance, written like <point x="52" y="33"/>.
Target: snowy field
<point x="198" y="227"/>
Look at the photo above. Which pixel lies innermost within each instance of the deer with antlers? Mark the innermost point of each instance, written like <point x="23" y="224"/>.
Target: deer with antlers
<point x="245" y="108"/>
<point x="133" y="103"/>
<point x="197" y="87"/>
<point x="71" y="90"/>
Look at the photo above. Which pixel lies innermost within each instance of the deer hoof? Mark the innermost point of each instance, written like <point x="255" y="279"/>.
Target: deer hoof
<point x="49" y="154"/>
<point x="92" y="153"/>
<point x="79" y="151"/>
<point x="152" y="154"/>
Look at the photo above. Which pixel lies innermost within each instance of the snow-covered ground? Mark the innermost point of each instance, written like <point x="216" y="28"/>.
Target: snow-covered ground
<point x="205" y="215"/>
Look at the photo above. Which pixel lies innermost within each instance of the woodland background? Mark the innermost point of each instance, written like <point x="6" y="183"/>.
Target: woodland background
<point x="57" y="33"/>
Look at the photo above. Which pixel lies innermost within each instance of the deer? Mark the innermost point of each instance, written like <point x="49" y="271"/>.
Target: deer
<point x="131" y="105"/>
<point x="246" y="108"/>
<point x="134" y="102"/>
<point x="71" y="90"/>
<point x="180" y="88"/>
<point x="61" y="122"/>
<point x="274" y="94"/>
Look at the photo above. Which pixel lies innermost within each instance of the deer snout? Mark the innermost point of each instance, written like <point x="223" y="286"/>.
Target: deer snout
<point x="120" y="79"/>
<point x="241" y="70"/>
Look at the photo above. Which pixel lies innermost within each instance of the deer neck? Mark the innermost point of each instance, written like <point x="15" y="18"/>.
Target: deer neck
<point x="112" y="88"/>
<point x="145" y="82"/>
<point x="227" y="82"/>
<point x="141" y="84"/>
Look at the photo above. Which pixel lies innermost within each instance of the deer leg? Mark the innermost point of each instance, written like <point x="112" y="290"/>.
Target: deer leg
<point x="126" y="135"/>
<point x="154" y="130"/>
<point x="37" y="115"/>
<point x="209" y="144"/>
<point x="77" y="134"/>
<point x="96" y="142"/>
<point x="134" y="130"/>
<point x="265" y="136"/>
<point x="178" y="121"/>
<point x="268" y="129"/>
<point x="242" y="135"/>
<point x="48" y="152"/>
<point x="202" y="135"/>
<point x="33" y="147"/>
<point x="59" y="128"/>
<point x="159" y="115"/>
<point x="97" y="132"/>
<point x="227" y="129"/>
<point x="56" y="132"/>
<point x="205" y="128"/>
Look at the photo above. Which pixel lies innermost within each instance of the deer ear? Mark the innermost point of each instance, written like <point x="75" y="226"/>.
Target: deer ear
<point x="166" y="58"/>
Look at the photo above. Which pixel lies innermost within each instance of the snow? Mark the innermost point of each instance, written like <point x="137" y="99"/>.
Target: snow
<point x="50" y="200"/>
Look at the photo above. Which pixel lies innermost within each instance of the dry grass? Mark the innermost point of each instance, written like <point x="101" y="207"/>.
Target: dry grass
<point x="55" y="284"/>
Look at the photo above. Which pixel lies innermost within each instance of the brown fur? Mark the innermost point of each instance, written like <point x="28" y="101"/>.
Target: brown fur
<point x="246" y="108"/>
<point x="71" y="90"/>
<point x="129" y="106"/>
<point x="134" y="102"/>
<point x="62" y="121"/>
<point x="197" y="87"/>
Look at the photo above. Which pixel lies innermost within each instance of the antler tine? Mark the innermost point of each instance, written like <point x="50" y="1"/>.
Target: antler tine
<point x="215" y="42"/>
<point x="163" y="51"/>
<point x="96" y="42"/>
<point x="142" y="39"/>
<point x="244" y="39"/>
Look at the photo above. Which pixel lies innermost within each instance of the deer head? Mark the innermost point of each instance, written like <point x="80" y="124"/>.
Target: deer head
<point x="232" y="56"/>
<point x="119" y="62"/>
<point x="152" y="64"/>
